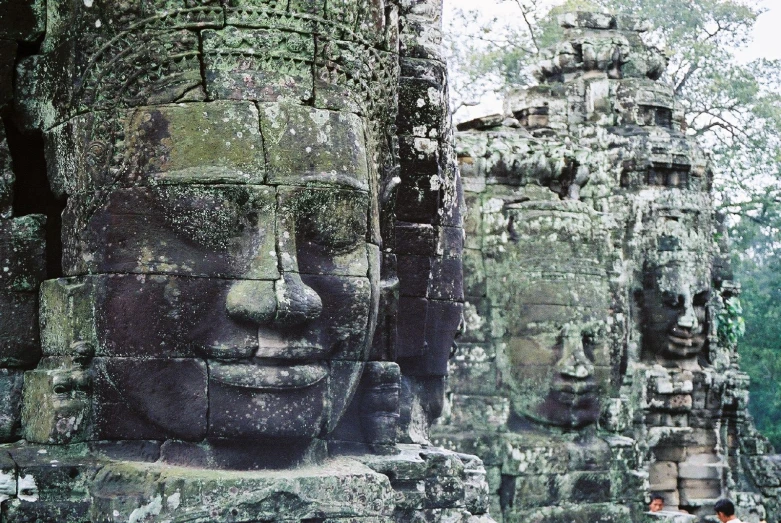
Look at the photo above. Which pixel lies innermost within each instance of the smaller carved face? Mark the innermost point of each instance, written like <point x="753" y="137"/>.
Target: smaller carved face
<point x="559" y="371"/>
<point x="674" y="311"/>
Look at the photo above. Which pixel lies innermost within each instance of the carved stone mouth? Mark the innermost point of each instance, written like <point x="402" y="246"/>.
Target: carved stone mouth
<point x="574" y="388"/>
<point x="263" y="375"/>
<point x="686" y="340"/>
<point x="287" y="346"/>
<point x="685" y="345"/>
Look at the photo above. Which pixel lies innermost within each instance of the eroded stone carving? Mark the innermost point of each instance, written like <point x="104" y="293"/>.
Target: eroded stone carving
<point x="243" y="193"/>
<point x="591" y="267"/>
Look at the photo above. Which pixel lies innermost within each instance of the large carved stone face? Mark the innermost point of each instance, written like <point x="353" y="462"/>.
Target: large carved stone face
<point x="227" y="251"/>
<point x="674" y="311"/>
<point x="254" y="301"/>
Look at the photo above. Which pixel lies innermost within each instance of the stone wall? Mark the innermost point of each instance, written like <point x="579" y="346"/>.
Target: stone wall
<point x="261" y="272"/>
<point x="596" y="367"/>
<point x="22" y="243"/>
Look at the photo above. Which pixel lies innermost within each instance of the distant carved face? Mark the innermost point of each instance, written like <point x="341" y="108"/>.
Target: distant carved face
<point x="555" y="348"/>
<point x="550" y="312"/>
<point x="558" y="371"/>
<point x="674" y="311"/>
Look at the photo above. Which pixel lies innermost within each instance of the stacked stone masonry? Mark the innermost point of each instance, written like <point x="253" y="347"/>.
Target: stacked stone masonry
<point x="596" y="367"/>
<point x="255" y="193"/>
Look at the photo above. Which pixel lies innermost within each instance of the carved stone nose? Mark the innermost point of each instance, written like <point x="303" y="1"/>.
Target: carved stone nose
<point x="297" y="303"/>
<point x="688" y="319"/>
<point x="252" y="300"/>
<point x="574" y="363"/>
<point x="287" y="301"/>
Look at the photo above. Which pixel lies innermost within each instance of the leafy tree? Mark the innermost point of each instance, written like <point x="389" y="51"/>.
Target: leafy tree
<point x="733" y="109"/>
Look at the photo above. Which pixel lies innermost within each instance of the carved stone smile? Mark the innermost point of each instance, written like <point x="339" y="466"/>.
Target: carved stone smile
<point x="264" y="376"/>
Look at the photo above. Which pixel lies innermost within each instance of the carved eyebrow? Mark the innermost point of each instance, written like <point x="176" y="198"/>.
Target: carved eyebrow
<point x="344" y="181"/>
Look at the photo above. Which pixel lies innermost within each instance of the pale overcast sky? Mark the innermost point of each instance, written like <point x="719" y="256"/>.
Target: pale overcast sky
<point x="766" y="42"/>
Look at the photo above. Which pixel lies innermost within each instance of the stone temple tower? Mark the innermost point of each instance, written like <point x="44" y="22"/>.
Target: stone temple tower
<point x="597" y="367"/>
<point x="229" y="330"/>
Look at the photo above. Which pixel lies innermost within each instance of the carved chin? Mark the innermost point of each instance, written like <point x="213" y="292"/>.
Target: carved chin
<point x="569" y="410"/>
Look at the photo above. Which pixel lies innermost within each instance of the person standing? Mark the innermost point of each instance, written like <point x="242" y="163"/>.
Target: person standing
<point x="725" y="511"/>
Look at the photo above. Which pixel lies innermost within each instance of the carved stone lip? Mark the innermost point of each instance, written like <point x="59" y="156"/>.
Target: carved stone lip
<point x="264" y="375"/>
<point x="574" y="388"/>
<point x="287" y="345"/>
<point x="685" y="344"/>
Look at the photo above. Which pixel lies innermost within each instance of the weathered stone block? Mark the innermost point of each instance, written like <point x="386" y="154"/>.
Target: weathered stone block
<point x="420" y="239"/>
<point x="701" y="466"/>
<point x="419" y="157"/>
<point x="664" y="453"/>
<point x="442" y="323"/>
<point x="192" y="230"/>
<point x="478" y="442"/>
<point x="584" y="513"/>
<point x="479" y="412"/>
<point x="242" y="407"/>
<point x="584" y="487"/>
<point x="421" y="107"/>
<point x="303" y="142"/>
<point x="529" y="491"/>
<point x="142" y="316"/>
<point x="473" y="378"/>
<point x="10" y="407"/>
<point x="414" y="275"/>
<point x="58" y="477"/>
<point x="324" y="231"/>
<point x="59" y="84"/>
<point x="196" y="143"/>
<point x="19" y="340"/>
<point x="218" y="142"/>
<point x="8" y="478"/>
<point x="663" y="475"/>
<point x="446" y="280"/>
<point x="418" y="199"/>
<point x="693" y="491"/>
<point x="530" y="458"/>
<point x="57" y="405"/>
<point x="22" y="251"/>
<point x="267" y="65"/>
<point x="140" y="398"/>
<point x="26" y="512"/>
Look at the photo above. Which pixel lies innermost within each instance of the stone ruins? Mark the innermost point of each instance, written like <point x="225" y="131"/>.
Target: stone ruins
<point x="598" y="365"/>
<point x="244" y="187"/>
<point x="236" y="254"/>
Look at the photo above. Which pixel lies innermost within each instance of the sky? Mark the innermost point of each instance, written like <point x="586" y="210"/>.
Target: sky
<point x="766" y="38"/>
<point x="767" y="41"/>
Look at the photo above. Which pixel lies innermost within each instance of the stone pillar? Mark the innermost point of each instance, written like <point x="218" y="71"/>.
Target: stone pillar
<point x="22" y="243"/>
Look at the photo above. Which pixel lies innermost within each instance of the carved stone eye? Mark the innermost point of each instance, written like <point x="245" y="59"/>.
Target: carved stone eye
<point x="61" y="388"/>
<point x="332" y="219"/>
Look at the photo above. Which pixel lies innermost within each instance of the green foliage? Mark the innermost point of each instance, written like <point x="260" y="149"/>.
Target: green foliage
<point x="732" y="326"/>
<point x="758" y="264"/>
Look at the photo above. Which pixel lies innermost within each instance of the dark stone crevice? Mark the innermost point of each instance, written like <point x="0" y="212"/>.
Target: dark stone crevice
<point x="32" y="193"/>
